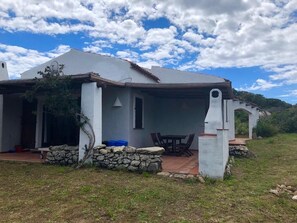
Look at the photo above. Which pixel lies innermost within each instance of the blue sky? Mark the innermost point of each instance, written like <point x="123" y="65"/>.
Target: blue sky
<point x="252" y="43"/>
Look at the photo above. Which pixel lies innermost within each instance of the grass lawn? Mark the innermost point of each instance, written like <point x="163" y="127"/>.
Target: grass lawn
<point x="42" y="193"/>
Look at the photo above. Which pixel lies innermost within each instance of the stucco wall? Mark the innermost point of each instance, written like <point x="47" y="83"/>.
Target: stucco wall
<point x="141" y="137"/>
<point x="12" y="115"/>
<point x="77" y="62"/>
<point x="115" y="120"/>
<point x="167" y="116"/>
<point x="180" y="116"/>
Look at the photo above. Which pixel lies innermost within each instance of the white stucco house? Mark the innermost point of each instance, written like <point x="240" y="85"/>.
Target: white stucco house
<point x="122" y="100"/>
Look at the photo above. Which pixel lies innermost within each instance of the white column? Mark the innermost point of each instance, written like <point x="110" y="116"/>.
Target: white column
<point x="1" y="120"/>
<point x="39" y="119"/>
<point x="231" y="120"/>
<point x="91" y="107"/>
<point x="213" y="154"/>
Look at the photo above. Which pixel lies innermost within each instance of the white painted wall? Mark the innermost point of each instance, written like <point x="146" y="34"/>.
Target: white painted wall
<point x="214" y="117"/>
<point x="213" y="154"/>
<point x="141" y="137"/>
<point x="115" y="120"/>
<point x="167" y="116"/>
<point x="253" y="112"/>
<point x="167" y="75"/>
<point x="91" y="106"/>
<point x="3" y="71"/>
<point x="78" y="62"/>
<point x="11" y="122"/>
<point x="214" y="144"/>
<point x="1" y="120"/>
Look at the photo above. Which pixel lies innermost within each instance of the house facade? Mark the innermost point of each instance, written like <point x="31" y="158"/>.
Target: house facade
<point x="122" y="100"/>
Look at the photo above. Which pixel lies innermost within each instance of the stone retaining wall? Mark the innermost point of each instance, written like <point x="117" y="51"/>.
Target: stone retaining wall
<point x="129" y="158"/>
<point x="120" y="157"/>
<point x="240" y="151"/>
<point x="62" y="155"/>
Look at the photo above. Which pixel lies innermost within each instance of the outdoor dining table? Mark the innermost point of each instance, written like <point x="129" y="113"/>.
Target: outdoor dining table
<point x="175" y="139"/>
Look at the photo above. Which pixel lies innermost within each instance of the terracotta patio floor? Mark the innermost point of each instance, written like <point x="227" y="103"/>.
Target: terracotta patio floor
<point x="172" y="164"/>
<point x="22" y="157"/>
<point x="181" y="164"/>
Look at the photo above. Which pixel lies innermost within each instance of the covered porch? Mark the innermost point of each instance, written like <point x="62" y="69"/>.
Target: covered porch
<point x="143" y="109"/>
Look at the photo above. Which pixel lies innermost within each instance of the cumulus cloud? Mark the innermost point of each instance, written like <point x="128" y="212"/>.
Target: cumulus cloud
<point x="292" y="93"/>
<point x="20" y="59"/>
<point x="261" y="85"/>
<point x="202" y="34"/>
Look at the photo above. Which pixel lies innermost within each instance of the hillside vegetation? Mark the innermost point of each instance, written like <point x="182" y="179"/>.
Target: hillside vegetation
<point x="283" y="118"/>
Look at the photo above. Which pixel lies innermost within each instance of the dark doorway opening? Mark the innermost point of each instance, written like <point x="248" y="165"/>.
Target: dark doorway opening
<point x="59" y="130"/>
<point x="28" y="124"/>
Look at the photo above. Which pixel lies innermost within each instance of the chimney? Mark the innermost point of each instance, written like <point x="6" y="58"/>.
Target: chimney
<point x="3" y="71"/>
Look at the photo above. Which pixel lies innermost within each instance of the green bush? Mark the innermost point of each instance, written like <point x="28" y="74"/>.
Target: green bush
<point x="241" y="123"/>
<point x="265" y="127"/>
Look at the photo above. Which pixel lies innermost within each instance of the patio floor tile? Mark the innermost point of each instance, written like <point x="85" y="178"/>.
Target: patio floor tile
<point x="22" y="157"/>
<point x="181" y="164"/>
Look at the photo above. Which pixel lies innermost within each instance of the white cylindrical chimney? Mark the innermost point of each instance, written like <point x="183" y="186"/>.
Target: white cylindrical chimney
<point x="3" y="71"/>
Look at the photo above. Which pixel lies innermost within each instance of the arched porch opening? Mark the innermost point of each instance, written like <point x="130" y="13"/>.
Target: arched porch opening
<point x="241" y="123"/>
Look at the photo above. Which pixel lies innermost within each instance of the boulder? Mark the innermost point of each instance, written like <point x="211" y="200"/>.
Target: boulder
<point x="151" y="150"/>
<point x="153" y="167"/>
<point x="130" y="149"/>
<point x="118" y="149"/>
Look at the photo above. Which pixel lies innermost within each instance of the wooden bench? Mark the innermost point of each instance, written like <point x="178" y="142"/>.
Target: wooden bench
<point x="43" y="152"/>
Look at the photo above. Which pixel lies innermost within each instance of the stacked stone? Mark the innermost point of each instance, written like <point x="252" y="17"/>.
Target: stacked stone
<point x="129" y="158"/>
<point x="240" y="151"/>
<point x="280" y="189"/>
<point x="62" y="155"/>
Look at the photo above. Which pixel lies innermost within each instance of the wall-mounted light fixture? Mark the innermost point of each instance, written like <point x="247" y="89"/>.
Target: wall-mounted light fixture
<point x="117" y="103"/>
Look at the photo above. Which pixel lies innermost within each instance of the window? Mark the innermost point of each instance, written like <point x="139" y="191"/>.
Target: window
<point x="138" y="113"/>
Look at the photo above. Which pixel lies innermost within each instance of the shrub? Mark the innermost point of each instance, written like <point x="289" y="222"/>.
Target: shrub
<point x="265" y="128"/>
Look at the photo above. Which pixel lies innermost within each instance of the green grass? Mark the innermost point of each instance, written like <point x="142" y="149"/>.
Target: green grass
<point x="42" y="193"/>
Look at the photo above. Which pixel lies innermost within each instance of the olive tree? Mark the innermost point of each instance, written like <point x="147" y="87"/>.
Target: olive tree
<point x="56" y="90"/>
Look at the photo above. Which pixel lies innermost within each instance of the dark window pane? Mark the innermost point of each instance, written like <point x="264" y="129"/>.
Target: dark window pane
<point x="138" y="113"/>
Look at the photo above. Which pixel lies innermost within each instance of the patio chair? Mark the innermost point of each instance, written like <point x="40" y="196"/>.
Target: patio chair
<point x="159" y="142"/>
<point x="155" y="139"/>
<point x="167" y="145"/>
<point x="185" y="147"/>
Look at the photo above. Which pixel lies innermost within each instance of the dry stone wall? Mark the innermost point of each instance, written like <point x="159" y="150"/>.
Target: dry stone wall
<point x="129" y="158"/>
<point x="116" y="157"/>
<point x="62" y="155"/>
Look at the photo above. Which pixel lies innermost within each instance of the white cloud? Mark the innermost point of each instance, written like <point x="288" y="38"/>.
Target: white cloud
<point x="20" y="59"/>
<point x="292" y="93"/>
<point x="262" y="85"/>
<point x="233" y="33"/>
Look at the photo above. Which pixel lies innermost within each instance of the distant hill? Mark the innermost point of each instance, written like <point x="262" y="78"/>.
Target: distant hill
<point x="268" y="104"/>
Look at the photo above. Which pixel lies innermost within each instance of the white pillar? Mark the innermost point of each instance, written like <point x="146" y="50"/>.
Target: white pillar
<point x="39" y="120"/>
<point x="213" y="154"/>
<point x="231" y="120"/>
<point x="3" y="71"/>
<point x="91" y="107"/>
<point x="1" y="121"/>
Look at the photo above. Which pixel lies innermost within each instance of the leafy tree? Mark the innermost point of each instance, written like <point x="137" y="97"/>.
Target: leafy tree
<point x="241" y="123"/>
<point x="57" y="91"/>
